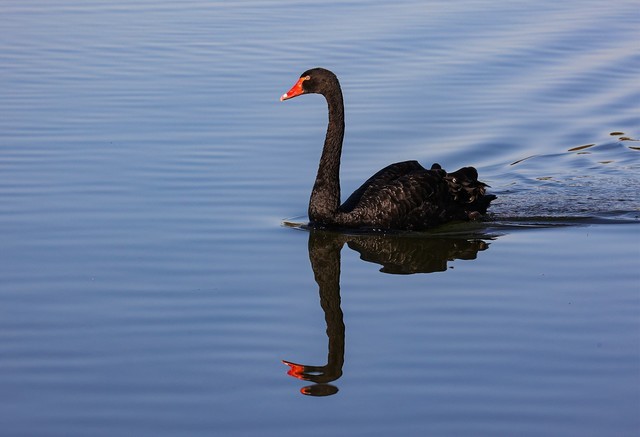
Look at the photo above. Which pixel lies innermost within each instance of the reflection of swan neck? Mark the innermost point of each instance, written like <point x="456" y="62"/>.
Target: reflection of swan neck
<point x="324" y="254"/>
<point x="327" y="274"/>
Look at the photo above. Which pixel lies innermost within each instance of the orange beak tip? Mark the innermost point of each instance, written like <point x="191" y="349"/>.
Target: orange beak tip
<point x="295" y="90"/>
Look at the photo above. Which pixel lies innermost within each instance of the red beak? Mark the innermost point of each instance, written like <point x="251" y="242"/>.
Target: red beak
<point x="295" y="90"/>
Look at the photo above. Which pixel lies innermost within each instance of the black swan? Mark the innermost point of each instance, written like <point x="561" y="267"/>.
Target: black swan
<point x="401" y="196"/>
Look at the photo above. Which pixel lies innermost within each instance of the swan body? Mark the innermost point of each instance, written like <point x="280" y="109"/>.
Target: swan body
<point x="401" y="196"/>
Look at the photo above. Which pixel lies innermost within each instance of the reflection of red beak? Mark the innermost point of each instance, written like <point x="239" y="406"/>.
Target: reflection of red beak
<point x="296" y="90"/>
<point x="296" y="370"/>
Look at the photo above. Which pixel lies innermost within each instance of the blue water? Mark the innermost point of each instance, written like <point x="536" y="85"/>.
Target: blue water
<point x="150" y="281"/>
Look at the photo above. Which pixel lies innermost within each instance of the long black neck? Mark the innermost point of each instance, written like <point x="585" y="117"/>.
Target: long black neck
<point x="325" y="197"/>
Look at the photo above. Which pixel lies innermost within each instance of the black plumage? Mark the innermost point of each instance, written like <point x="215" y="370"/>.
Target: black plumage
<point x="401" y="196"/>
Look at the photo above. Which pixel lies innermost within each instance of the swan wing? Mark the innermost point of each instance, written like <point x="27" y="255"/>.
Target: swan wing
<point x="414" y="200"/>
<point x="379" y="181"/>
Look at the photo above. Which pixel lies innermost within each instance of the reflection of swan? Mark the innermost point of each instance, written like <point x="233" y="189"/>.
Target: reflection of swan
<point x="406" y="255"/>
<point x="403" y="195"/>
<point x="324" y="254"/>
<point x="397" y="254"/>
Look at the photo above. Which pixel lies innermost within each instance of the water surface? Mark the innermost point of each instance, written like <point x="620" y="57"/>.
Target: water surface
<point x="149" y="283"/>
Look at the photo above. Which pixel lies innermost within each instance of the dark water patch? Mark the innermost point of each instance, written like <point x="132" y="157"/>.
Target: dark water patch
<point x="586" y="146"/>
<point x="622" y="136"/>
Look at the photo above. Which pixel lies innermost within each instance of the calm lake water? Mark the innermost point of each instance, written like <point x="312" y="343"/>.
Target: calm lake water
<point x="151" y="284"/>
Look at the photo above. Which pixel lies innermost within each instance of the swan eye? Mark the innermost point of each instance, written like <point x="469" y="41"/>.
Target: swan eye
<point x="306" y="78"/>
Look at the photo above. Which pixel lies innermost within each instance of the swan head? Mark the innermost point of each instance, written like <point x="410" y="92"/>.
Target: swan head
<point x="316" y="80"/>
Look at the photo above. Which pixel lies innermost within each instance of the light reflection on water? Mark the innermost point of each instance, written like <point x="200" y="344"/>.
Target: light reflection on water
<point x="146" y="165"/>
